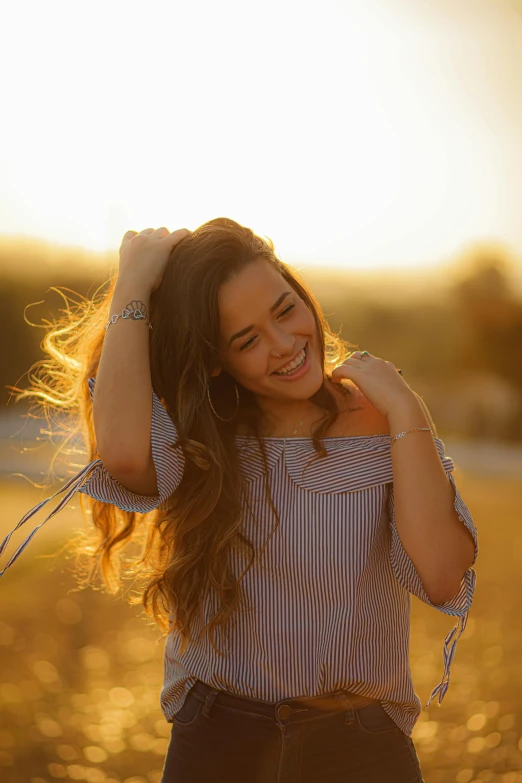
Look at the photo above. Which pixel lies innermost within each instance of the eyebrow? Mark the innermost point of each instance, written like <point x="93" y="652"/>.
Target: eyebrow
<point x="249" y="328"/>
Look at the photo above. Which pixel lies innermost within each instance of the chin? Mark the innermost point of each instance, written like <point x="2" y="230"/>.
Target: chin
<point x="307" y="387"/>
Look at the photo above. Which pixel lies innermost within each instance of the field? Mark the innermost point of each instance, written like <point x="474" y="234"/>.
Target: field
<point x="81" y="672"/>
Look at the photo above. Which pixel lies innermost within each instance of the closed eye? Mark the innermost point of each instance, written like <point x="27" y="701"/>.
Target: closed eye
<point x="283" y="312"/>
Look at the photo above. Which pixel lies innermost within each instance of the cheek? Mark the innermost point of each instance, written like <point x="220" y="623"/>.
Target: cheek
<point x="245" y="364"/>
<point x="306" y="316"/>
<point x="251" y="367"/>
<point x="254" y="365"/>
<point x="308" y="324"/>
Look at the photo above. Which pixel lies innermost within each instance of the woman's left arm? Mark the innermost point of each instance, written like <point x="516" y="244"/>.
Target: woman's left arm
<point x="430" y="528"/>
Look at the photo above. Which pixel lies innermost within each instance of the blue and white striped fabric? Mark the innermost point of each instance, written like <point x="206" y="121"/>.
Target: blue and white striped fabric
<point x="329" y="605"/>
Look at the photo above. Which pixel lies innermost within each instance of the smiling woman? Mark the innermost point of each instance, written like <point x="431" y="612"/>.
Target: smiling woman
<point x="278" y="358"/>
<point x="227" y="316"/>
<point x="314" y="608"/>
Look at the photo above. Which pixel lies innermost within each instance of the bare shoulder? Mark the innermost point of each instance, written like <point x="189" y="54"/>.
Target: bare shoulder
<point x="358" y="416"/>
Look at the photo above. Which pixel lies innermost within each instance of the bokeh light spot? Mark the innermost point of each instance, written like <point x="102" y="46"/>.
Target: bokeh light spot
<point x="95" y="754"/>
<point x="57" y="770"/>
<point x="48" y="727"/>
<point x="122" y="697"/>
<point x="493" y="739"/>
<point x="160" y="746"/>
<point x="464" y="776"/>
<point x="45" y="671"/>
<point x="94" y="657"/>
<point x="163" y="728"/>
<point x="141" y="742"/>
<point x="491" y="708"/>
<point x="506" y="722"/>
<point x="67" y="752"/>
<point x="476" y="722"/>
<point x="76" y="772"/>
<point x="114" y="745"/>
<point x="475" y="745"/>
<point x="10" y="693"/>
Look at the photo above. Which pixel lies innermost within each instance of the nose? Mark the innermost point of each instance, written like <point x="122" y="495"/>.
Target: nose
<point x="283" y="343"/>
<point x="281" y="352"/>
<point x="286" y="348"/>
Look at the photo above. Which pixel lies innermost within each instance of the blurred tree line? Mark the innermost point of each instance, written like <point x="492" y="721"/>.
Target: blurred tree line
<point x="461" y="351"/>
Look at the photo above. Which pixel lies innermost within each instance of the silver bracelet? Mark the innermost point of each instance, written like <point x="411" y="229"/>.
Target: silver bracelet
<point x="413" y="429"/>
<point x="135" y="310"/>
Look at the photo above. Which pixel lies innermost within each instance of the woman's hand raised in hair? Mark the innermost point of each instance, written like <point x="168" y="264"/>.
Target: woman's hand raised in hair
<point x="144" y="256"/>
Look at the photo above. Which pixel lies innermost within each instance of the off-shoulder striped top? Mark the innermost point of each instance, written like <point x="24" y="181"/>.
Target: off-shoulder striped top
<point x="330" y="605"/>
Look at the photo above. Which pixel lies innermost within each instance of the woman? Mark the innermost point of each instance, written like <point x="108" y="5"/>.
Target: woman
<point x="300" y="496"/>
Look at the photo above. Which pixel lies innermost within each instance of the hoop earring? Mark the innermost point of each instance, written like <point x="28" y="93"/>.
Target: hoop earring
<point x="214" y="410"/>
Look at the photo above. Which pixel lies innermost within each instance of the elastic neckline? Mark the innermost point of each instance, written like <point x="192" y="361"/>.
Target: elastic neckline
<point x="330" y="437"/>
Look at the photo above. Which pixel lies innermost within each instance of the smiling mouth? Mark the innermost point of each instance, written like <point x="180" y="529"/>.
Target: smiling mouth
<point x="304" y="351"/>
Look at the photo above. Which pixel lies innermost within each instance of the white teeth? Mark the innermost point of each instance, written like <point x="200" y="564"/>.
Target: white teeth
<point x="293" y="365"/>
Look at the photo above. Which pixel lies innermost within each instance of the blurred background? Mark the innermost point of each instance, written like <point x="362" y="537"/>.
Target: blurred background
<point x="379" y="144"/>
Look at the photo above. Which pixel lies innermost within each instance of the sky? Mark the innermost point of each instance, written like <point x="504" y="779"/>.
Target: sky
<point x="363" y="134"/>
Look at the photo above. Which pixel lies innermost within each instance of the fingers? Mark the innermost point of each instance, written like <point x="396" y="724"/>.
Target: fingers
<point x="357" y="355"/>
<point x="131" y="234"/>
<point x="176" y="236"/>
<point x="179" y="234"/>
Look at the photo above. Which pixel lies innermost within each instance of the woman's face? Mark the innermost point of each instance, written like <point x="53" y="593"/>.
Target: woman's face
<point x="261" y="316"/>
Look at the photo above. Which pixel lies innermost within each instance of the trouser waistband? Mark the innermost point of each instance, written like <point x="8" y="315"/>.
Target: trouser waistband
<point x="329" y="702"/>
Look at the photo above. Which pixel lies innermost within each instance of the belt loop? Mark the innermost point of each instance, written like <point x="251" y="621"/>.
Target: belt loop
<point x="209" y="700"/>
<point x="350" y="717"/>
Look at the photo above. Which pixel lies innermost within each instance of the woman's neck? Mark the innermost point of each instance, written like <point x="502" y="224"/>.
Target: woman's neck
<point x="296" y="420"/>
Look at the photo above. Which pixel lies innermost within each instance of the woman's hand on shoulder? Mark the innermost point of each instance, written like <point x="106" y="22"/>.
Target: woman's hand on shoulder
<point x="362" y="418"/>
<point x="377" y="378"/>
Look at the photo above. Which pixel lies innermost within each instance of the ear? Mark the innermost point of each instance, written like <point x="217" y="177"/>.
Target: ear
<point x="215" y="372"/>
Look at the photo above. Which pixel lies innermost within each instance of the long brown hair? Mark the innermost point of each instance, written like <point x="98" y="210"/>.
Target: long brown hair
<point x="185" y="547"/>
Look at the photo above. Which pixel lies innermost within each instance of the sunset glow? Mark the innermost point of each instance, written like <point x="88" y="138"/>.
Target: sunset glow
<point x="375" y="134"/>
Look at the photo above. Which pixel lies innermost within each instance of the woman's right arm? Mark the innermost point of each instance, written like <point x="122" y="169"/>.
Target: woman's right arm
<point x="127" y="415"/>
<point x="122" y="409"/>
<point x="127" y="489"/>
